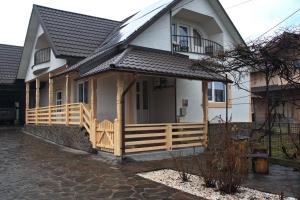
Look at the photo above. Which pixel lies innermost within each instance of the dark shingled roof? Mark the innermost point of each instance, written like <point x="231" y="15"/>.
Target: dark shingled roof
<point x="10" y="57"/>
<point x="73" y="34"/>
<point x="156" y="62"/>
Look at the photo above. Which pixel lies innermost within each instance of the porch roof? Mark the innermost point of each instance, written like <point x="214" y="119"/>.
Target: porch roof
<point x="155" y="62"/>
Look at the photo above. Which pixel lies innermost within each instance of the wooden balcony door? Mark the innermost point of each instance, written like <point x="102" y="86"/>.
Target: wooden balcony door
<point x="142" y="101"/>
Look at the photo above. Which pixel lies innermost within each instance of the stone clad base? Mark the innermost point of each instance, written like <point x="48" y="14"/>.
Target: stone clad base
<point x="69" y="136"/>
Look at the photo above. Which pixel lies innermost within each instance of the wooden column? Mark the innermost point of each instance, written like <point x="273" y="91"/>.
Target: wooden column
<point x="169" y="137"/>
<point x="118" y="121"/>
<point x="67" y="100"/>
<point x="93" y="111"/>
<point x="205" y="109"/>
<point x="50" y="98"/>
<point x="37" y="93"/>
<point x="93" y="86"/>
<point x="37" y="98"/>
<point x="27" y="101"/>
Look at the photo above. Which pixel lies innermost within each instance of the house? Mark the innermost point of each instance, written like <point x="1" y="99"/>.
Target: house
<point x="12" y="88"/>
<point x="284" y="94"/>
<point x="134" y="85"/>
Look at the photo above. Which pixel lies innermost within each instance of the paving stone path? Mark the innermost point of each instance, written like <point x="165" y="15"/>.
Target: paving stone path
<point x="31" y="168"/>
<point x="34" y="169"/>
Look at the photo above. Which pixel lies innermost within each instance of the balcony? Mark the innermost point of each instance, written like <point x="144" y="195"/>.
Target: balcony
<point x="42" y="56"/>
<point x="197" y="45"/>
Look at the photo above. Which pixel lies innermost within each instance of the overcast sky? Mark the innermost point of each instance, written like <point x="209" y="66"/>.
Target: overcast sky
<point x="251" y="19"/>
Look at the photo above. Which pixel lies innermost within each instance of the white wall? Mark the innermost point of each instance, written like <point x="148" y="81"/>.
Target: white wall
<point x="50" y="66"/>
<point x="192" y="91"/>
<point x="162" y="104"/>
<point x="156" y="36"/>
<point x="106" y="98"/>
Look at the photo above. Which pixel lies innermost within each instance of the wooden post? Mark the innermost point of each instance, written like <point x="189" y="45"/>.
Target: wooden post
<point x="117" y="143"/>
<point x="67" y="100"/>
<point x="37" y="98"/>
<point x="118" y="127"/>
<point x="50" y="98"/>
<point x="27" y="101"/>
<point x="205" y="110"/>
<point x="169" y="137"/>
<point x="81" y="115"/>
<point x="93" y="98"/>
<point x="93" y="133"/>
<point x="93" y="112"/>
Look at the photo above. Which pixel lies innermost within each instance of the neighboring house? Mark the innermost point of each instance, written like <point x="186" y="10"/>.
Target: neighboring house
<point x="134" y="85"/>
<point x="12" y="89"/>
<point x="284" y="95"/>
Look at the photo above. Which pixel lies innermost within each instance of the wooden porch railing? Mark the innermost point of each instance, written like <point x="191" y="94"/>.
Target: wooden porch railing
<point x="61" y="114"/>
<point x="138" y="137"/>
<point x="151" y="137"/>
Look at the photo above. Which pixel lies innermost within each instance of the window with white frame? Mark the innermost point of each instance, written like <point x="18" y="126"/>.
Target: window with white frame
<point x="83" y="92"/>
<point x="216" y="92"/>
<point x="58" y="98"/>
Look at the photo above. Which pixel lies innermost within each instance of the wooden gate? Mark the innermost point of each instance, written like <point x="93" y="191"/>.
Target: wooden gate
<point x="105" y="135"/>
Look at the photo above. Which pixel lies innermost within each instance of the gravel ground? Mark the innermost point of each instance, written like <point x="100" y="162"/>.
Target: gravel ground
<point x="195" y="186"/>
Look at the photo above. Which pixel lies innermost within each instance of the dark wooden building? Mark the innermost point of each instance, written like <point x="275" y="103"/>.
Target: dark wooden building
<point x="12" y="89"/>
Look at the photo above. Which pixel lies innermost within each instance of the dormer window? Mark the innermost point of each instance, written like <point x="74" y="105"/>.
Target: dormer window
<point x="42" y="56"/>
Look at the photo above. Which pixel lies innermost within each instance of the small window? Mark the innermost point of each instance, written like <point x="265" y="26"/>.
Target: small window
<point x="219" y="92"/>
<point x="83" y="92"/>
<point x="58" y="98"/>
<point x="216" y="91"/>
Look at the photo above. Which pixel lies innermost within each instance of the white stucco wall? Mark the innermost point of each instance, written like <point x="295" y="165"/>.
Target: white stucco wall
<point x="49" y="66"/>
<point x="106" y="98"/>
<point x="190" y="90"/>
<point x="162" y="104"/>
<point x="157" y="36"/>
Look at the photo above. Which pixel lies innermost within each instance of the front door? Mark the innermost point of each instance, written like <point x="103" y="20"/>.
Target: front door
<point x="142" y="101"/>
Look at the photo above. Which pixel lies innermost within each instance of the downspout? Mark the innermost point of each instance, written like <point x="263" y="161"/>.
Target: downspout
<point x="123" y="113"/>
<point x="171" y="35"/>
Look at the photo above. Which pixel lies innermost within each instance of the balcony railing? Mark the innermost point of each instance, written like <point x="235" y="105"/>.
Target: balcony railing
<point x="190" y="44"/>
<point x="42" y="56"/>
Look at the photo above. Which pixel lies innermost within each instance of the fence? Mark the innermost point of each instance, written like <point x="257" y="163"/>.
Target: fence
<point x="285" y="139"/>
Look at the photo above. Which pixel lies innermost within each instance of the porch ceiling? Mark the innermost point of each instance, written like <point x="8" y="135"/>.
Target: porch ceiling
<point x="155" y="62"/>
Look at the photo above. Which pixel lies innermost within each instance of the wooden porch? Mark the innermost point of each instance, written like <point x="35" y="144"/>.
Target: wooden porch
<point x="116" y="136"/>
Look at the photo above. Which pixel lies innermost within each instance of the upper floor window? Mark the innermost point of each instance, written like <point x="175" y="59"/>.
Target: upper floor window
<point x="83" y="92"/>
<point x="197" y="38"/>
<point x="216" y="92"/>
<point x="184" y="38"/>
<point x="42" y="56"/>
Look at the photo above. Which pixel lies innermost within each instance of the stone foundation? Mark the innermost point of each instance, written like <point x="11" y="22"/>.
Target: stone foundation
<point x="69" y="136"/>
